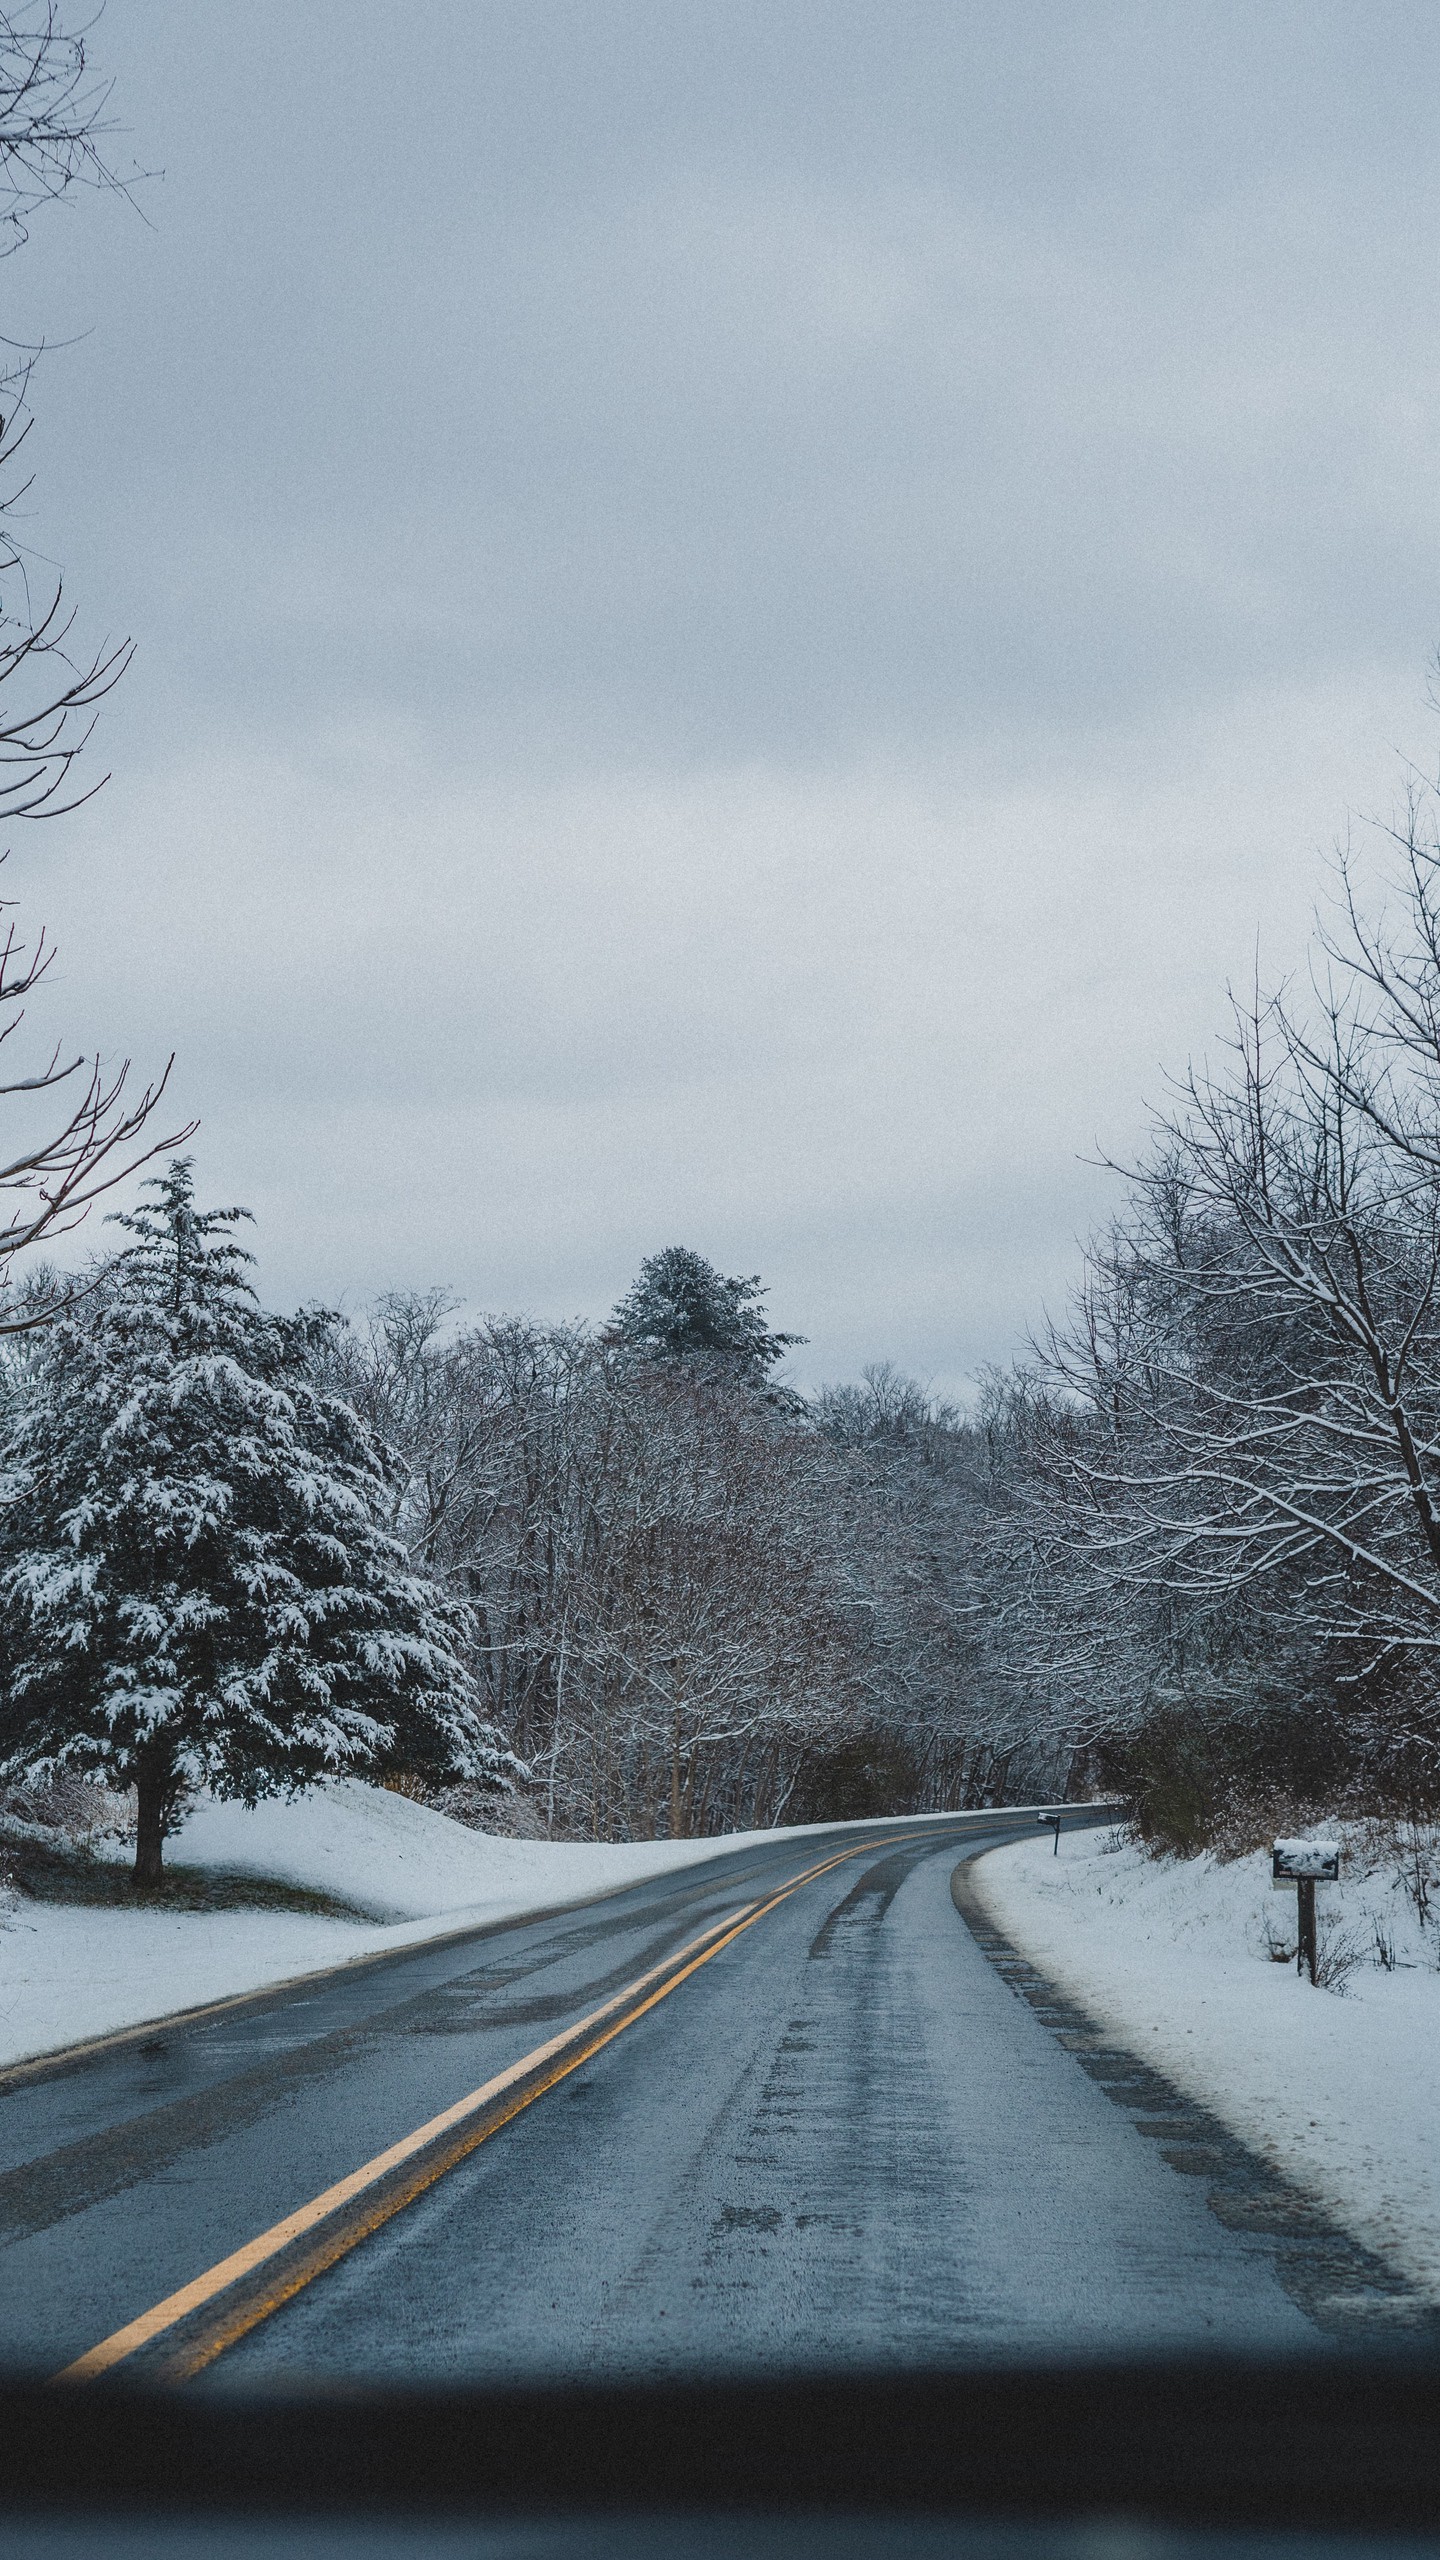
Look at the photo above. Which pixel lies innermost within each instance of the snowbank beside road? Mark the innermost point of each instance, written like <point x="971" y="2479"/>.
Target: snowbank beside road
<point x="1170" y="1956"/>
<point x="69" y="1973"/>
<point x="401" y="1861"/>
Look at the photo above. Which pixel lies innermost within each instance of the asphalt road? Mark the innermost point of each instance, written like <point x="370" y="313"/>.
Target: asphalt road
<point x="842" y="2140"/>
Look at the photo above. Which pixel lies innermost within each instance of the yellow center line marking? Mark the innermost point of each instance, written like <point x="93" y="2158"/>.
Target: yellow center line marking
<point x="494" y="2104"/>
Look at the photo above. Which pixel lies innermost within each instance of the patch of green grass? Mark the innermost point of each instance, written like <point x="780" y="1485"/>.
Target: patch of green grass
<point x="48" y="1873"/>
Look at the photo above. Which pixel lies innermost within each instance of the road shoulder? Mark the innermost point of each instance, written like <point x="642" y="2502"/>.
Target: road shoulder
<point x="1353" y="2291"/>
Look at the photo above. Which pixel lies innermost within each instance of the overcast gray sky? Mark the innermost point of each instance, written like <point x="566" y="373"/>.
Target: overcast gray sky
<point x="743" y="610"/>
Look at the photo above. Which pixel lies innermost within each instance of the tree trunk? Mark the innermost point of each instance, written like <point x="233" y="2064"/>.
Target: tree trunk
<point x="154" y="1789"/>
<point x="676" y="1815"/>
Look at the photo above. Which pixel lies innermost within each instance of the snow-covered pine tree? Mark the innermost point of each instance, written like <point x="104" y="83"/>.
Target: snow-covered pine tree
<point x="681" y="1307"/>
<point x="196" y="1585"/>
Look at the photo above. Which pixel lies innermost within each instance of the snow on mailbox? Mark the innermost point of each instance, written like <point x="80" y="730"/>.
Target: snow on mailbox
<point x="1305" y="1863"/>
<point x="1296" y="1861"/>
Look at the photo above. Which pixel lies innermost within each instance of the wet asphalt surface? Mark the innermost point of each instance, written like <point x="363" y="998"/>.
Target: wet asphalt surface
<point x="846" y="2141"/>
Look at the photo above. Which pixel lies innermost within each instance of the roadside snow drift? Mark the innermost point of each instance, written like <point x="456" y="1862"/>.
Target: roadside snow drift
<point x="68" y="1973"/>
<point x="1341" y="2090"/>
<point x="400" y="1861"/>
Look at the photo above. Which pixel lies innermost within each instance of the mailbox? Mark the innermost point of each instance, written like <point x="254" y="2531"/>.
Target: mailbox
<point x="1305" y="1862"/>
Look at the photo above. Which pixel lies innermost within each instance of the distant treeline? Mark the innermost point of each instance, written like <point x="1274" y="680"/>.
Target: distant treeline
<point x="620" y="1580"/>
<point x="697" y="1601"/>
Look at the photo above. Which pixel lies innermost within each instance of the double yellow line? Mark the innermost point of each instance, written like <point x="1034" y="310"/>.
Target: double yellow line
<point x="253" y="2282"/>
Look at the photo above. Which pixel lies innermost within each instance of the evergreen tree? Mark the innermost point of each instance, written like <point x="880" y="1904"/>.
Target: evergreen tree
<point x="681" y="1307"/>
<point x="196" y="1583"/>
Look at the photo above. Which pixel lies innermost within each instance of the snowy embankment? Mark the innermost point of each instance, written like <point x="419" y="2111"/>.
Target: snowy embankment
<point x="1340" y="2088"/>
<point x="69" y="1973"/>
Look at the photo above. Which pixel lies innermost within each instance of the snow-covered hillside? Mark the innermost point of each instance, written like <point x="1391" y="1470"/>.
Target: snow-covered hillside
<point x="1340" y="2088"/>
<point x="399" y="1861"/>
<point x="69" y="1973"/>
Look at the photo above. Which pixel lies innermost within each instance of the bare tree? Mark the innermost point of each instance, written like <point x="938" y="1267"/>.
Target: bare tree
<point x="1241" y="1441"/>
<point x="941" y="1569"/>
<point x="54" y="120"/>
<point x="698" y="1603"/>
<point x="664" y="1627"/>
<point x="53" y="130"/>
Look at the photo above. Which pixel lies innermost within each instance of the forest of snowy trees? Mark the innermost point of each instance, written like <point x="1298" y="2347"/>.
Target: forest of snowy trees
<point x="620" y="1580"/>
<point x="608" y="1580"/>
<point x="605" y="1582"/>
<point x="698" y="1601"/>
<point x="1226" y="1455"/>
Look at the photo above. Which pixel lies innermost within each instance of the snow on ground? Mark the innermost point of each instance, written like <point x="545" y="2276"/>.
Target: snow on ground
<point x="400" y="1861"/>
<point x="68" y="1973"/>
<point x="1340" y="2088"/>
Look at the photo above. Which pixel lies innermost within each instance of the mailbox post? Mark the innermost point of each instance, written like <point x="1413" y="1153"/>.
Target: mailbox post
<point x="1305" y="1863"/>
<point x="1053" y="1819"/>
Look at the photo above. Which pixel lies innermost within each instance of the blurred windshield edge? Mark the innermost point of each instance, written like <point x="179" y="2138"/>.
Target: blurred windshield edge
<point x="1323" y="2443"/>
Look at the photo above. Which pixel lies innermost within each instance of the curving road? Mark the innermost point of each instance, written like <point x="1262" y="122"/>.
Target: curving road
<point x="834" y="2137"/>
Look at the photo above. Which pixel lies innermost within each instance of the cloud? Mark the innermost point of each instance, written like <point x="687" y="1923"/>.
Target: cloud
<point x="860" y="1028"/>
<point x="740" y="622"/>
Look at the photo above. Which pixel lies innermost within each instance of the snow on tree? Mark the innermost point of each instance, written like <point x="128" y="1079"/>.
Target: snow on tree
<point x="681" y="1307"/>
<point x="197" y="1585"/>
